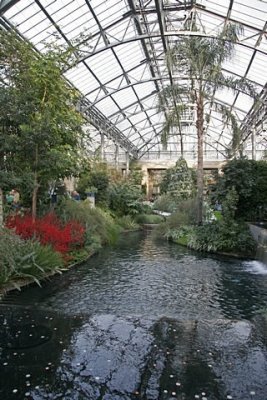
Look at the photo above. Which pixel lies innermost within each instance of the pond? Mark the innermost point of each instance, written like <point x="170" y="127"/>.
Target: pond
<point x="143" y="320"/>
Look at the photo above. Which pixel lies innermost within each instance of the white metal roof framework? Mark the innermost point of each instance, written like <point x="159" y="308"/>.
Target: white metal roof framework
<point x="121" y="63"/>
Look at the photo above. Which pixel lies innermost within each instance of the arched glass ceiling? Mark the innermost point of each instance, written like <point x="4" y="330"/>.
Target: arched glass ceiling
<point x="121" y="65"/>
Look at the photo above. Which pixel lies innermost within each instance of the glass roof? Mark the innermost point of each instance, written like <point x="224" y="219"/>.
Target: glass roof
<point x="120" y="66"/>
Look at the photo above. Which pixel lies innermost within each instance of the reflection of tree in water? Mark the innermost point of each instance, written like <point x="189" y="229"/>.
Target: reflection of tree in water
<point x="125" y="358"/>
<point x="184" y="373"/>
<point x="217" y="357"/>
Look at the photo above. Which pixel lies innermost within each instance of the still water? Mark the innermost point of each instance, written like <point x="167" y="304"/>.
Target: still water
<point x="144" y="320"/>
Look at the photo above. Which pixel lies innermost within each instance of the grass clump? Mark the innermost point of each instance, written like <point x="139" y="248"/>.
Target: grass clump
<point x="126" y="222"/>
<point x="173" y="227"/>
<point x="149" y="219"/>
<point x="165" y="203"/>
<point x="100" y="227"/>
<point x="26" y="259"/>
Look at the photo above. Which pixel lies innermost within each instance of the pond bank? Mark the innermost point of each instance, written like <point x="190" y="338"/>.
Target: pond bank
<point x="18" y="284"/>
<point x="146" y="319"/>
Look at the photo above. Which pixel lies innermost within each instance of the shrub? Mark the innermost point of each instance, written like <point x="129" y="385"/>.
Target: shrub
<point x="220" y="236"/>
<point x="179" y="235"/>
<point x="25" y="259"/>
<point x="184" y="215"/>
<point x="165" y="203"/>
<point x="179" y="181"/>
<point x="249" y="178"/>
<point x="98" y="224"/>
<point x="49" y="230"/>
<point x="127" y="223"/>
<point x="125" y="198"/>
<point x="149" y="219"/>
<point x="98" y="178"/>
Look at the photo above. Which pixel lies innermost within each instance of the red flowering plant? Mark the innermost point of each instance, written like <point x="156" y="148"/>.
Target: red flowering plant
<point x="49" y="230"/>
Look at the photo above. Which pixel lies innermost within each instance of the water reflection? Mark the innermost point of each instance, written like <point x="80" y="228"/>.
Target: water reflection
<point x="146" y="320"/>
<point x="111" y="357"/>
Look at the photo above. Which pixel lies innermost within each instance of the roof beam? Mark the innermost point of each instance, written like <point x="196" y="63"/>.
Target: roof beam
<point x="92" y="115"/>
<point x="103" y="124"/>
<point x="143" y="36"/>
<point x="6" y="4"/>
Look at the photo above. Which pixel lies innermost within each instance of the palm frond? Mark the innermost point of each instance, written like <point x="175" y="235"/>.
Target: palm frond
<point x="172" y="119"/>
<point x="171" y="95"/>
<point x="229" y="119"/>
<point x="228" y="37"/>
<point x="238" y="85"/>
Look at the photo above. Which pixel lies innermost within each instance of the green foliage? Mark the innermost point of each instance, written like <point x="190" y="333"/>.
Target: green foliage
<point x="218" y="236"/>
<point x="179" y="181"/>
<point x="229" y="205"/>
<point x="149" y="219"/>
<point x="80" y="255"/>
<point x="40" y="125"/>
<point x="185" y="215"/>
<point x="201" y="58"/>
<point x="249" y="178"/>
<point x="136" y="174"/>
<point x="224" y="235"/>
<point x="165" y="203"/>
<point x="95" y="176"/>
<point x="26" y="259"/>
<point x="187" y="209"/>
<point x="227" y="234"/>
<point x="125" y="198"/>
<point x="126" y="222"/>
<point x="179" y="235"/>
<point x="218" y="215"/>
<point x="100" y="225"/>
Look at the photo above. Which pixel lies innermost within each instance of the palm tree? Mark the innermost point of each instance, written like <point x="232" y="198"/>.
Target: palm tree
<point x="1" y="209"/>
<point x="199" y="59"/>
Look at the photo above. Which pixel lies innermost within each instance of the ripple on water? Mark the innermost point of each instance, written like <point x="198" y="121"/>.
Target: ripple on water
<point x="158" y="321"/>
<point x="144" y="277"/>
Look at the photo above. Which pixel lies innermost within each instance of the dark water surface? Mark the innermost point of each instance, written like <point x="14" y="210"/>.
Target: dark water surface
<point x="145" y="320"/>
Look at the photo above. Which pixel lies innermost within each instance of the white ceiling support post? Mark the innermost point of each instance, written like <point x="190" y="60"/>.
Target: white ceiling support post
<point x="117" y="156"/>
<point x="127" y="163"/>
<point x="102" y="146"/>
<point x="253" y="142"/>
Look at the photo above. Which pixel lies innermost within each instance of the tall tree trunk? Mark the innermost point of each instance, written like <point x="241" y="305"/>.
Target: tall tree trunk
<point x="1" y="209"/>
<point x="200" y="174"/>
<point x="35" y="185"/>
<point x="182" y="145"/>
<point x="34" y="196"/>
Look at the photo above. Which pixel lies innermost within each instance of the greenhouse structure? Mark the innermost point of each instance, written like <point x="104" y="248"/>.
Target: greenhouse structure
<point x="121" y="67"/>
<point x="133" y="199"/>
